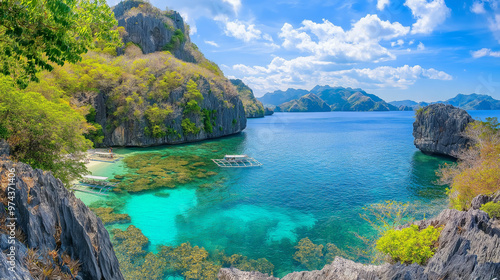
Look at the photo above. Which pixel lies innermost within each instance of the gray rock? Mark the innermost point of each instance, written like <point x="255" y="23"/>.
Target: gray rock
<point x="152" y="29"/>
<point x="438" y="129"/>
<point x="4" y="148"/>
<point x="268" y="111"/>
<point x="469" y="248"/>
<point x="44" y="208"/>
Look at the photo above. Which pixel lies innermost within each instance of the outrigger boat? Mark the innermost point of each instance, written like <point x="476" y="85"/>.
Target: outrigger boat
<point x="94" y="184"/>
<point x="237" y="161"/>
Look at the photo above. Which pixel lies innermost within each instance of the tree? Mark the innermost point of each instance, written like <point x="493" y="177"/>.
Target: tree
<point x="45" y="134"/>
<point x="36" y="33"/>
<point x="478" y="169"/>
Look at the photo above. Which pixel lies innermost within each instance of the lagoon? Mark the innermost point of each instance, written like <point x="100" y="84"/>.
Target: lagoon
<point x="319" y="171"/>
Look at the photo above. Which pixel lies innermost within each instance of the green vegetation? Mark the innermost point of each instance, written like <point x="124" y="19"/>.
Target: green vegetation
<point x="38" y="34"/>
<point x="154" y="171"/>
<point x="156" y="117"/>
<point x="209" y="117"/>
<point x="108" y="216"/>
<point x="188" y="127"/>
<point x="190" y="262"/>
<point x="409" y="245"/>
<point x="313" y="256"/>
<point x="478" y="169"/>
<point x="176" y="41"/>
<point x="492" y="208"/>
<point x="253" y="107"/>
<point x="43" y="132"/>
<point x="95" y="133"/>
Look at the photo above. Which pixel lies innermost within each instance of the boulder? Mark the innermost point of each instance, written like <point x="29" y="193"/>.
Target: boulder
<point x="52" y="218"/>
<point x="438" y="129"/>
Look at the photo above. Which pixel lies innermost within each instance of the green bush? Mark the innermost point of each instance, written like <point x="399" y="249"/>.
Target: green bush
<point x="409" y="245"/>
<point x="189" y="127"/>
<point x="492" y="208"/>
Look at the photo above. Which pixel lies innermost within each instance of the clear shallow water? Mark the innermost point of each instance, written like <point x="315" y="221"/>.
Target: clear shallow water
<point x="319" y="171"/>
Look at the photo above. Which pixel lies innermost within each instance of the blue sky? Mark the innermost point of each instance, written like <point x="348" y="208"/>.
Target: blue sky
<point x="424" y="50"/>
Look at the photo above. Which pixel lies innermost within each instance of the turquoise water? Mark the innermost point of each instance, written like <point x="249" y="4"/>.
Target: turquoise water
<point x="319" y="171"/>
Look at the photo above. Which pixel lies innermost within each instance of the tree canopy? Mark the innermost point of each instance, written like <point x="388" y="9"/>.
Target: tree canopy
<point x="36" y="33"/>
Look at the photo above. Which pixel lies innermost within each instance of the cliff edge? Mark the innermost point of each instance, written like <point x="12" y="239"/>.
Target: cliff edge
<point x="42" y="215"/>
<point x="438" y="129"/>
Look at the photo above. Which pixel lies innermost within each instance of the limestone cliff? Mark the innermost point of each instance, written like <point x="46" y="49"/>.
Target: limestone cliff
<point x="438" y="129"/>
<point x="253" y="107"/>
<point x="159" y="90"/>
<point x="50" y="221"/>
<point x="468" y="249"/>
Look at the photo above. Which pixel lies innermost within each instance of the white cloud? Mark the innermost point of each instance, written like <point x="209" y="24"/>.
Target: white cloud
<point x="421" y="46"/>
<point x="236" y="4"/>
<point x="308" y="71"/>
<point x="484" y="52"/>
<point x="399" y="42"/>
<point x="428" y="14"/>
<point x="328" y="41"/>
<point x="212" y="43"/>
<point x="411" y="42"/>
<point x="239" y="30"/>
<point x="381" y="4"/>
<point x="478" y="8"/>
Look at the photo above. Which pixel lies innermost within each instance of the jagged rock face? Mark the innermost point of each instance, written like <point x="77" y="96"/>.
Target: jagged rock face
<point x="438" y="129"/>
<point x="151" y="29"/>
<point x="230" y="119"/>
<point x="253" y="107"/>
<point x="469" y="248"/>
<point x="42" y="207"/>
<point x="268" y="111"/>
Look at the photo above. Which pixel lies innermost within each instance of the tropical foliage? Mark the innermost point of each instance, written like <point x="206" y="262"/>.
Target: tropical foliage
<point x="38" y="34"/>
<point x="478" y="169"/>
<point x="409" y="245"/>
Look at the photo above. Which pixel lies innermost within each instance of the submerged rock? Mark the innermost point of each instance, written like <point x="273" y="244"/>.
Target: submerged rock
<point x="469" y="248"/>
<point x="52" y="218"/>
<point x="438" y="129"/>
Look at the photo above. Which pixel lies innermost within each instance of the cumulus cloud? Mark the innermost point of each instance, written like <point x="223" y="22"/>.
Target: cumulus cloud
<point x="381" y="4"/>
<point x="478" y="8"/>
<point x="360" y="43"/>
<point x="399" y="42"/>
<point x="308" y="71"/>
<point x="212" y="43"/>
<point x="484" y="52"/>
<point x="421" y="46"/>
<point x="243" y="31"/>
<point x="428" y="14"/>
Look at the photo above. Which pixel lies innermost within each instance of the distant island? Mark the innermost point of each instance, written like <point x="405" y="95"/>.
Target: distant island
<point x="467" y="102"/>
<point x="327" y="98"/>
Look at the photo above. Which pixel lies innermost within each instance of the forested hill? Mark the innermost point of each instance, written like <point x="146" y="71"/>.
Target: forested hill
<point x="335" y="99"/>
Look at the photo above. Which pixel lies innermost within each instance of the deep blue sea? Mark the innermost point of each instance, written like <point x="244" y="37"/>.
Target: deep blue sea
<point x="319" y="171"/>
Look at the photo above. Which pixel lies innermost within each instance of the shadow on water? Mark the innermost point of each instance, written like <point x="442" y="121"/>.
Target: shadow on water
<point x="423" y="183"/>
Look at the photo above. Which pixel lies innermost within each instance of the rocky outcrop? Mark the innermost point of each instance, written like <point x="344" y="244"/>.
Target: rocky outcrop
<point x="152" y="29"/>
<point x="268" y="111"/>
<point x="51" y="218"/>
<point x="227" y="118"/>
<point x="438" y="129"/>
<point x="468" y="249"/>
<point x="166" y="107"/>
<point x="253" y="107"/>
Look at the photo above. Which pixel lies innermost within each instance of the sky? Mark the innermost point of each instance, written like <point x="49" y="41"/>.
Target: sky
<point x="423" y="50"/>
